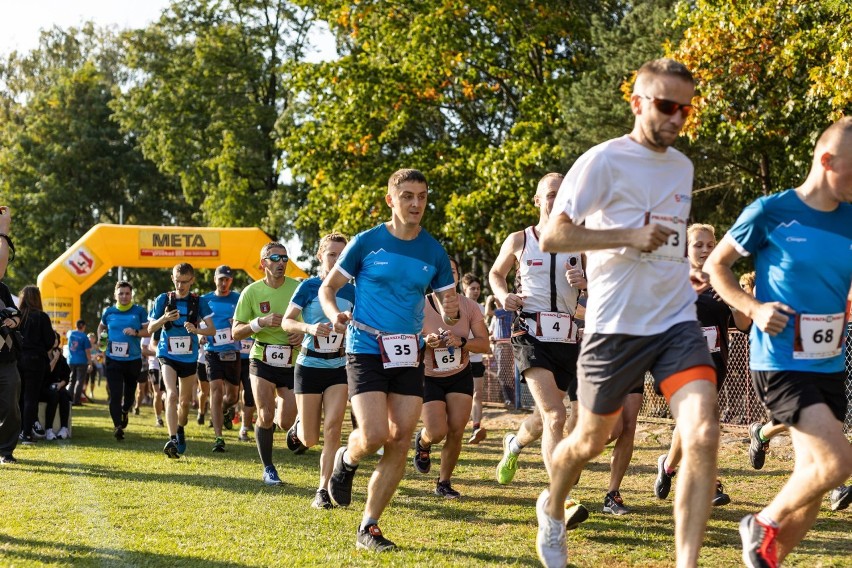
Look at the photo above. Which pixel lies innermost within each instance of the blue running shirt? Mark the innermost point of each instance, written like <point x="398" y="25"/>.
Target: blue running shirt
<point x="391" y="278"/>
<point x="121" y="347"/>
<point x="223" y="314"/>
<point x="803" y="259"/>
<point x="306" y="298"/>
<point x="177" y="331"/>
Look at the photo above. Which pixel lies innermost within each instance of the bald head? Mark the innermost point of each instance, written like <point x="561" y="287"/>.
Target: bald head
<point x="553" y="179"/>
<point x="835" y="137"/>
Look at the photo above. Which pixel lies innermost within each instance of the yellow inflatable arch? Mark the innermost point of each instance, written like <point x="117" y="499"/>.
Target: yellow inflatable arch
<point x="141" y="246"/>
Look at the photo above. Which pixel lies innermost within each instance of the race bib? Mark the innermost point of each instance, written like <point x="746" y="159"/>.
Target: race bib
<point x="228" y="356"/>
<point x="329" y="343"/>
<point x="277" y="355"/>
<point x="118" y="348"/>
<point x="446" y="359"/>
<point x="223" y="336"/>
<point x="245" y="346"/>
<point x="818" y="336"/>
<point x="673" y="250"/>
<point x="554" y="327"/>
<point x="711" y="335"/>
<point x="400" y="350"/>
<point x="180" y="345"/>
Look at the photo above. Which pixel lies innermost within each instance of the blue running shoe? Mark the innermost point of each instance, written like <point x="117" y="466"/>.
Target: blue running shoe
<point x="181" y="440"/>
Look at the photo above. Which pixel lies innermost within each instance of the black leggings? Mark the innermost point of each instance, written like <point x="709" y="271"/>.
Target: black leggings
<point x="56" y="398"/>
<point x="121" y="379"/>
<point x="33" y="374"/>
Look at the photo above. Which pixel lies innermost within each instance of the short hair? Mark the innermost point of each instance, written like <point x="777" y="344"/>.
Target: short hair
<point x="405" y="175"/>
<point x="269" y="246"/>
<point x="184" y="268"/>
<point x="747" y="279"/>
<point x="330" y="238"/>
<point x="662" y="67"/>
<point x="547" y="177"/>
<point x="468" y="279"/>
<point x="840" y="130"/>
<point x="123" y="284"/>
<point x="81" y="323"/>
<point x="696" y="227"/>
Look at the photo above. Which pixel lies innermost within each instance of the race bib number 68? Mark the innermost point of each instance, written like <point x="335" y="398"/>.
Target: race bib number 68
<point x="818" y="336"/>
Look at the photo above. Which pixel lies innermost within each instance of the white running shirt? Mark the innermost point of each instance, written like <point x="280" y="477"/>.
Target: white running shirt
<point x="542" y="277"/>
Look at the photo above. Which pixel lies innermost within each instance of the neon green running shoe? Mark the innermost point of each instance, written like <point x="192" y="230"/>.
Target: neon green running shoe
<point x="508" y="464"/>
<point x="575" y="513"/>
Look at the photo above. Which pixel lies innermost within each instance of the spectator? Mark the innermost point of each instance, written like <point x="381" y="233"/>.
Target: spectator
<point x="10" y="380"/>
<point x="33" y="364"/>
<point x="55" y="394"/>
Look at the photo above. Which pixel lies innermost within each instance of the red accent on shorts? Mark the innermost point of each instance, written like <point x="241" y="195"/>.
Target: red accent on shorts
<point x="673" y="383"/>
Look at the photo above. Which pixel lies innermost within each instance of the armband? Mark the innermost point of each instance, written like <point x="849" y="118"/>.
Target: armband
<point x="255" y="325"/>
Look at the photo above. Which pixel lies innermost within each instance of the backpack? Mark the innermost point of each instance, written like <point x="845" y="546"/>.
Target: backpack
<point x="191" y="308"/>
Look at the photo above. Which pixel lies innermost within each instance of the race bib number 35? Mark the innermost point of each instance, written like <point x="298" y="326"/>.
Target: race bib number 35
<point x="674" y="250"/>
<point x="400" y="350"/>
<point x="818" y="336"/>
<point x="277" y="355"/>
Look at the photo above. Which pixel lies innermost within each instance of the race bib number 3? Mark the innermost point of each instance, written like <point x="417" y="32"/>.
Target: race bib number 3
<point x="180" y="345"/>
<point x="223" y="337"/>
<point x="711" y="334"/>
<point x="118" y="348"/>
<point x="446" y="359"/>
<point x="329" y="343"/>
<point x="400" y="350"/>
<point x="818" y="336"/>
<point x="674" y="250"/>
<point x="553" y="327"/>
<point x="277" y="355"/>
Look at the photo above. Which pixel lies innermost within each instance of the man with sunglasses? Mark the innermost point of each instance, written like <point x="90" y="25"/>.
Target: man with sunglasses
<point x="626" y="203"/>
<point x="259" y="312"/>
<point x="392" y="264"/>
<point x="179" y="315"/>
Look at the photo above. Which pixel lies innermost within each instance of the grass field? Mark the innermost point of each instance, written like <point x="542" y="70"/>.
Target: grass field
<point x="92" y="501"/>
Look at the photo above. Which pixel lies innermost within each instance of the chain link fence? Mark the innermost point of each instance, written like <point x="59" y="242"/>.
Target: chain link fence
<point x="739" y="405"/>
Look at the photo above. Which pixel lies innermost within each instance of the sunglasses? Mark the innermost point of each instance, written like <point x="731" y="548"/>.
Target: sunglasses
<point x="277" y="258"/>
<point x="668" y="107"/>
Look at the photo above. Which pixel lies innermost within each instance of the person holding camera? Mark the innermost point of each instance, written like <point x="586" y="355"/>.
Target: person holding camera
<point x="10" y="380"/>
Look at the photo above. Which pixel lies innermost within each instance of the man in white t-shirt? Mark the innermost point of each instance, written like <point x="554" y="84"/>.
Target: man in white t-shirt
<point x="633" y="194"/>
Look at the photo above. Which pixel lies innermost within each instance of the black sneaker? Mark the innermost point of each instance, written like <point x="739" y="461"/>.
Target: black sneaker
<point x="422" y="460"/>
<point x="294" y="444"/>
<point x="663" y="484"/>
<point x="170" y="449"/>
<point x="340" y="482"/>
<point x="840" y="497"/>
<point x="371" y="538"/>
<point x="38" y="430"/>
<point x="444" y="489"/>
<point x="118" y="433"/>
<point x="200" y="419"/>
<point x="614" y="504"/>
<point x="757" y="447"/>
<point x="181" y="440"/>
<point x="8" y="459"/>
<point x="136" y="411"/>
<point x="219" y="445"/>
<point x="322" y="500"/>
<point x="160" y="422"/>
<point x="228" y="417"/>
<point x="25" y="439"/>
<point x="720" y="497"/>
<point x="758" y="543"/>
<point x="125" y="420"/>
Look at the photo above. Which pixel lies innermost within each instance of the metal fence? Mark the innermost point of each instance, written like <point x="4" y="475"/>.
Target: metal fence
<point x="738" y="403"/>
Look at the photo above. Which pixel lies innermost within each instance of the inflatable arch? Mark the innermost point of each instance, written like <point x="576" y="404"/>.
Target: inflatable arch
<point x="141" y="246"/>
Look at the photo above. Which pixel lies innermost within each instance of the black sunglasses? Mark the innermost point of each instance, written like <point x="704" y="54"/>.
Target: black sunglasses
<point x="668" y="107"/>
<point x="277" y="257"/>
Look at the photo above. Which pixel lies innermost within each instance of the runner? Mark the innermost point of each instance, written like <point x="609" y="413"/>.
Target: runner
<point x="448" y="389"/>
<point x="472" y="288"/>
<point x="79" y="359"/>
<point x="802" y="242"/>
<point x="320" y="376"/>
<point x="124" y="322"/>
<point x="626" y="202"/>
<point x="246" y="396"/>
<point x="259" y="313"/>
<point x="158" y="387"/>
<point x="392" y="264"/>
<point x="177" y="315"/>
<point x="223" y="356"/>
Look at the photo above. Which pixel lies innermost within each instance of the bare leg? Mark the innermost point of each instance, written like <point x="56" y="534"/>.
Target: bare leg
<point x="187" y="387"/>
<point x="623" y="450"/>
<point x="334" y="404"/>
<point x="476" y="408"/>
<point x="170" y="380"/>
<point x="285" y="413"/>
<point x="310" y="416"/>
<point x="217" y="393"/>
<point x="549" y="401"/>
<point x="458" y="409"/>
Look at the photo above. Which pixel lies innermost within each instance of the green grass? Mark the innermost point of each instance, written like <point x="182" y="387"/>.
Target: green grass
<point x="92" y="501"/>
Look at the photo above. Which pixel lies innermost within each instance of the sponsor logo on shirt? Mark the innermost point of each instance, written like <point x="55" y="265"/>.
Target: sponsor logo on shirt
<point x="682" y="198"/>
<point x="797" y="240"/>
<point x="535" y="262"/>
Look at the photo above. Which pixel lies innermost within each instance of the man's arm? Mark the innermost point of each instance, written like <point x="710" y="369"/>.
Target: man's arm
<point x="208" y="330"/>
<point x="500" y="271"/>
<point x="328" y="300"/>
<point x="560" y="234"/>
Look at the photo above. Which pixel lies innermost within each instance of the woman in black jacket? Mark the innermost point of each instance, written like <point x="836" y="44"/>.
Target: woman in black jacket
<point x="54" y="393"/>
<point x="34" y="363"/>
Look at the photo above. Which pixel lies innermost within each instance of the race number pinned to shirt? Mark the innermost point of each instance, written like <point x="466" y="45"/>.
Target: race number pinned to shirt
<point x="446" y="359"/>
<point x="245" y="346"/>
<point x="277" y="355"/>
<point x="180" y="345"/>
<point x="818" y="336"/>
<point x="555" y="327"/>
<point x="399" y="350"/>
<point x="711" y="335"/>
<point x="223" y="337"/>
<point x="329" y="343"/>
<point x="118" y="348"/>
<point x="673" y="250"/>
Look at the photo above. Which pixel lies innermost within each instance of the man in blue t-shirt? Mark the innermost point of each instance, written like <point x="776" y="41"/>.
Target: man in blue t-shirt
<point x="79" y="359"/>
<point x="393" y="265"/>
<point x="179" y="314"/>
<point x="802" y="242"/>
<point x="223" y="355"/>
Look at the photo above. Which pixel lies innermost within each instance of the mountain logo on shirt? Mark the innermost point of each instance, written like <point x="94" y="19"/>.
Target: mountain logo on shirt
<point x="264" y="307"/>
<point x="376" y="251"/>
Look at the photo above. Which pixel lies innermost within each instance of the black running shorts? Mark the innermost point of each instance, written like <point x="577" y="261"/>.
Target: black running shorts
<point x="437" y="388"/>
<point x="558" y="358"/>
<point x="182" y="369"/>
<point x="786" y="393"/>
<point x="366" y="373"/>
<point x="224" y="365"/>
<point x="281" y="377"/>
<point x="315" y="380"/>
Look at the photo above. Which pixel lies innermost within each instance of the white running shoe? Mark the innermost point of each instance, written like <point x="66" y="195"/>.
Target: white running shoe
<point x="49" y="435"/>
<point x="550" y="540"/>
<point x="63" y="433"/>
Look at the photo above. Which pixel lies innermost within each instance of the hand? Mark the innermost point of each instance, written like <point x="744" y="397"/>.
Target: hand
<point x="320" y="329"/>
<point x="451" y="340"/>
<point x="433" y="340"/>
<point x="450" y="306"/>
<point x="342" y="320"/>
<point x="190" y="327"/>
<point x="11" y="323"/>
<point x="575" y="276"/>
<point x="513" y="302"/>
<point x="129" y="331"/>
<point x="699" y="279"/>
<point x="651" y="237"/>
<point x="171" y="315"/>
<point x="295" y="338"/>
<point x="772" y="317"/>
<point x="271" y="320"/>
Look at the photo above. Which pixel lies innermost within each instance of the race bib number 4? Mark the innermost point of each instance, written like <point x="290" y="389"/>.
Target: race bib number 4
<point x="554" y="327"/>
<point x="277" y="355"/>
<point x="180" y="345"/>
<point x="118" y="348"/>
<point x="400" y="350"/>
<point x="818" y="336"/>
<point x="673" y="250"/>
<point x="711" y="334"/>
<point x="446" y="359"/>
<point x="329" y="343"/>
<point x="223" y="337"/>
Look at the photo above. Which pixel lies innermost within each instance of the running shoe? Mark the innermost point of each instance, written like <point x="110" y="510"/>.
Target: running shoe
<point x="294" y="444"/>
<point x="322" y="500"/>
<point x="422" y="460"/>
<point x="25" y="439"/>
<point x="340" y="483"/>
<point x="136" y="410"/>
<point x="8" y="459"/>
<point x="125" y="420"/>
<point x="50" y="435"/>
<point x="840" y="497"/>
<point x="270" y="476"/>
<point x="663" y="484"/>
<point x="181" y="440"/>
<point x="243" y="437"/>
<point x="38" y="430"/>
<point x="478" y="435"/>
<point x="720" y="498"/>
<point x="63" y="433"/>
<point x="757" y="447"/>
<point x="550" y="540"/>
<point x="159" y="422"/>
<point x="171" y="450"/>
<point x="444" y="489"/>
<point x="219" y="445"/>
<point x="758" y="543"/>
<point x="371" y="538"/>
<point x="200" y="419"/>
<point x="118" y="432"/>
<point x="508" y="464"/>
<point x="228" y="417"/>
<point x="614" y="504"/>
<point x="575" y="513"/>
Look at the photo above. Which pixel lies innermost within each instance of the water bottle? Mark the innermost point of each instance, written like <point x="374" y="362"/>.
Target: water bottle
<point x="102" y="343"/>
